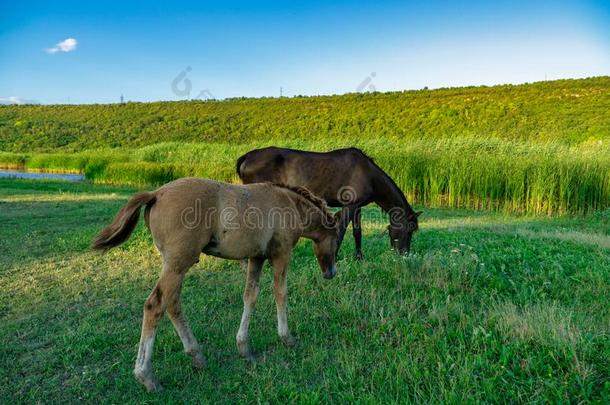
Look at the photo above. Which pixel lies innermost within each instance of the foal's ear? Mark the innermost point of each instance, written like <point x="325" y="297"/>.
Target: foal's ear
<point x="337" y="217"/>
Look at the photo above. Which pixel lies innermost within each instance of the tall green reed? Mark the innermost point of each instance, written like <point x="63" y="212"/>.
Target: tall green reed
<point x="515" y="176"/>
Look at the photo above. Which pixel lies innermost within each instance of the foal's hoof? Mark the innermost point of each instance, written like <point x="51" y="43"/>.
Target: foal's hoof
<point x="198" y="361"/>
<point x="244" y="351"/>
<point x="290" y="341"/>
<point x="249" y="357"/>
<point x="359" y="257"/>
<point x="148" y="380"/>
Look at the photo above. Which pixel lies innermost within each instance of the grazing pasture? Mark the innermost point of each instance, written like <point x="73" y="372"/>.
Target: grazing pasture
<point x="489" y="307"/>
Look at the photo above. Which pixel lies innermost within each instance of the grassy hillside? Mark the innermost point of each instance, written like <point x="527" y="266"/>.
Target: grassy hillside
<point x="542" y="147"/>
<point x="570" y="111"/>
<point x="488" y="308"/>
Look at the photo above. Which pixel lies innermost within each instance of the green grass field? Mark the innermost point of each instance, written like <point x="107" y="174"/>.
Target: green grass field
<point x="490" y="307"/>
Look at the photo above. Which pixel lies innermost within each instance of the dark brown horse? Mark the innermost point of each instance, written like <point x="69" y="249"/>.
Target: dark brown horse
<point x="344" y="178"/>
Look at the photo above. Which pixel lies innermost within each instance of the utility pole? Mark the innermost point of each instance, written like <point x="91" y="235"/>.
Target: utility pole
<point x="281" y="91"/>
<point x="122" y="101"/>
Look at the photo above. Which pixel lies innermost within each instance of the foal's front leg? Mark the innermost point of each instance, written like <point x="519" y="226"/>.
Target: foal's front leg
<point x="250" y="294"/>
<point x="280" y="290"/>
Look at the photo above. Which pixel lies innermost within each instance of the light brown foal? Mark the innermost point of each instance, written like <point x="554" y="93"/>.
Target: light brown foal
<point x="257" y="222"/>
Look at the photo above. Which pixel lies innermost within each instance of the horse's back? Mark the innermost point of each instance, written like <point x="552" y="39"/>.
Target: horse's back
<point x="260" y="165"/>
<point x="323" y="173"/>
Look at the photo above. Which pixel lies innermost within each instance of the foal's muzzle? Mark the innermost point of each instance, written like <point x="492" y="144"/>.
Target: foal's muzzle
<point x="330" y="273"/>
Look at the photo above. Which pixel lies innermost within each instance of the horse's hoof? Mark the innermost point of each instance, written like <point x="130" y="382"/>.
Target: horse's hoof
<point x="290" y="341"/>
<point x="198" y="361"/>
<point x="148" y="380"/>
<point x="359" y="256"/>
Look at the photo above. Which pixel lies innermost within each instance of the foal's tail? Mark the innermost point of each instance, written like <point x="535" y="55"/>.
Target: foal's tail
<point x="124" y="222"/>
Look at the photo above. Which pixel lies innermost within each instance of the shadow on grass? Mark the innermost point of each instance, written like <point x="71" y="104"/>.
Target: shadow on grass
<point x="38" y="230"/>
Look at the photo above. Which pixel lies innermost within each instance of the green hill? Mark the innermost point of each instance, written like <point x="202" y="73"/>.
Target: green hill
<point x="570" y="111"/>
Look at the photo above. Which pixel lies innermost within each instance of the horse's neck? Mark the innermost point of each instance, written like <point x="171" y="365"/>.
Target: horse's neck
<point x="390" y="198"/>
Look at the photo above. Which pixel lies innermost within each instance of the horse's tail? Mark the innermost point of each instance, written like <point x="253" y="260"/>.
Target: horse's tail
<point x="238" y="164"/>
<point x="124" y="222"/>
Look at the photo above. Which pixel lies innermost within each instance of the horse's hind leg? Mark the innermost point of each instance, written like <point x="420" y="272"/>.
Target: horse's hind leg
<point x="357" y="229"/>
<point x="164" y="292"/>
<point x="250" y="294"/>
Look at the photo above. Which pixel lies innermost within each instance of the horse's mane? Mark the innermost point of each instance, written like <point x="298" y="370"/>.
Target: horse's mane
<point x="388" y="179"/>
<point x="310" y="197"/>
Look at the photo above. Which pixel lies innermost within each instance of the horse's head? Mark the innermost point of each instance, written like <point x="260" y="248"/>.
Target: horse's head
<point x="401" y="233"/>
<point x="325" y="247"/>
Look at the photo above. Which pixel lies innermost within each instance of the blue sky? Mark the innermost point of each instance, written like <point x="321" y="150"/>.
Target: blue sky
<point x="237" y="48"/>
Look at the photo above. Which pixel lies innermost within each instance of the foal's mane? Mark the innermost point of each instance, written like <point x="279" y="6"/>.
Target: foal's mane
<point x="311" y="198"/>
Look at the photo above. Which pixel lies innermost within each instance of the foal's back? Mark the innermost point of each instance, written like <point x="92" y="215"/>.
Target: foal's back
<point x="193" y="215"/>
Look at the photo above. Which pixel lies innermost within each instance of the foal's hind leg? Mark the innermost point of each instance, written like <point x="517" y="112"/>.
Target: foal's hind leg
<point x="191" y="347"/>
<point x="250" y="294"/>
<point x="280" y="291"/>
<point x="164" y="292"/>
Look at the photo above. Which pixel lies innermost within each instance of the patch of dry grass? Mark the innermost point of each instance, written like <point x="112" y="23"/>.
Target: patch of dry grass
<point x="544" y="323"/>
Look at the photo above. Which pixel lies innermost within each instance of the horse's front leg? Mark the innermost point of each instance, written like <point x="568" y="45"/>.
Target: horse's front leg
<point x="154" y="307"/>
<point x="250" y="294"/>
<point x="280" y="291"/>
<point x="357" y="229"/>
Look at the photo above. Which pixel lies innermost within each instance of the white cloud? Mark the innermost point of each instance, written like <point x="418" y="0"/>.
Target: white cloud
<point x="67" y="45"/>
<point x="16" y="100"/>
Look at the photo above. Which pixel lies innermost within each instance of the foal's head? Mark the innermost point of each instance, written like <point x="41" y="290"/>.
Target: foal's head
<point x="401" y="232"/>
<point x="325" y="247"/>
<point x="321" y="227"/>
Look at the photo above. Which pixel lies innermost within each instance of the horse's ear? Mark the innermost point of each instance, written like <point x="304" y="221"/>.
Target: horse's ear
<point x="418" y="213"/>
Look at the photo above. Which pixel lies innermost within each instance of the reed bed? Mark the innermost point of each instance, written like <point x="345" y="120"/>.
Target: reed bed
<point x="490" y="174"/>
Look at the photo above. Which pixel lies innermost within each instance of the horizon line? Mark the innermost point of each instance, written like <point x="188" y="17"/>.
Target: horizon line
<point x="376" y="92"/>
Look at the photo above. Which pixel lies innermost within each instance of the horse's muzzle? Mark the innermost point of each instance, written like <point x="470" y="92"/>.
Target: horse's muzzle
<point x="330" y="273"/>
